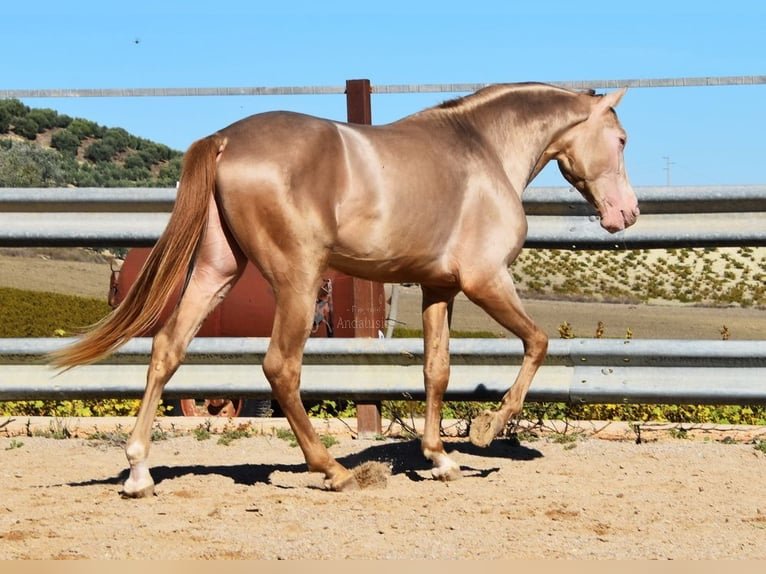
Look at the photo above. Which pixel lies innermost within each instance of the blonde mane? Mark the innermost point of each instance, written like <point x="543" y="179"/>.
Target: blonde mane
<point x="495" y="91"/>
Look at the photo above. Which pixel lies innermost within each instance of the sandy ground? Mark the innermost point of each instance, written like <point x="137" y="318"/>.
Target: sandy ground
<point x="599" y="496"/>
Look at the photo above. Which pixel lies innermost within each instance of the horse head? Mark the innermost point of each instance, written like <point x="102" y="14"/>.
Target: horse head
<point x="590" y="157"/>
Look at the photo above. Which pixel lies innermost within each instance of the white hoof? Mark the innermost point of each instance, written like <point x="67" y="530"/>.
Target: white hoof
<point x="444" y="469"/>
<point x="447" y="473"/>
<point x="139" y="484"/>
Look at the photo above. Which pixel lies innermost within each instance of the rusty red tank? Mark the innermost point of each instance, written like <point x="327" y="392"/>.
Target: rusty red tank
<point x="346" y="307"/>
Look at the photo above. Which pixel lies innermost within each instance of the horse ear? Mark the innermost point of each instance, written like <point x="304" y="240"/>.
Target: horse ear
<point x="611" y="99"/>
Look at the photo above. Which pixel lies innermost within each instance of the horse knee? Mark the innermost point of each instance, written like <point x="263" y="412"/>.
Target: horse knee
<point x="283" y="376"/>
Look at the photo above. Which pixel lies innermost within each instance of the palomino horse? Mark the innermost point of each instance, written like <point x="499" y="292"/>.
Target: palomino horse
<point x="433" y="199"/>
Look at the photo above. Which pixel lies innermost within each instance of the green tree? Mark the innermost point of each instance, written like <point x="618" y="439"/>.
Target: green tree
<point x="45" y="118"/>
<point x="26" y="127"/>
<point x="24" y="164"/>
<point x="100" y="151"/>
<point x="117" y="138"/>
<point x="85" y="128"/>
<point x="9" y="110"/>
<point x="66" y="141"/>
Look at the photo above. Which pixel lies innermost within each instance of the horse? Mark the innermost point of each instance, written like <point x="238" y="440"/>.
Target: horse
<point x="432" y="199"/>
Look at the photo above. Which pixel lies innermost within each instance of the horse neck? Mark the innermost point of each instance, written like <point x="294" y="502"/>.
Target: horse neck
<point x="521" y="125"/>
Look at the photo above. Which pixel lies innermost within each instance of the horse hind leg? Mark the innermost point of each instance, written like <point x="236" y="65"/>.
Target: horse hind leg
<point x="218" y="266"/>
<point x="282" y="367"/>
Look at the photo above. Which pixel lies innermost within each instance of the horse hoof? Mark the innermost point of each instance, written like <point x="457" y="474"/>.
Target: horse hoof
<point x="131" y="490"/>
<point x="145" y="492"/>
<point x="483" y="429"/>
<point x="446" y="474"/>
<point x="348" y="484"/>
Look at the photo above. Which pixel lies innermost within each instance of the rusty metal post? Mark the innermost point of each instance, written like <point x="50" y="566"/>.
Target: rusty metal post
<point x="369" y="297"/>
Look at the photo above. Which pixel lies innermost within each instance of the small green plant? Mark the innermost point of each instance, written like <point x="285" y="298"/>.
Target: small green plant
<point x="679" y="433"/>
<point x="14" y="444"/>
<point x="202" y="432"/>
<point x="57" y="428"/>
<point x="567" y="440"/>
<point x="230" y="435"/>
<point x="760" y="445"/>
<point x="287" y="435"/>
<point x="158" y="433"/>
<point x="117" y="437"/>
<point x="328" y="409"/>
<point x="328" y="440"/>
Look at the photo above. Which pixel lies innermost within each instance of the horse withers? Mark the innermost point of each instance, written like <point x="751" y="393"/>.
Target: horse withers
<point x="433" y="199"/>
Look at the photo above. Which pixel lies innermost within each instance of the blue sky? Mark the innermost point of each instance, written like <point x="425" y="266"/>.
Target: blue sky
<point x="711" y="135"/>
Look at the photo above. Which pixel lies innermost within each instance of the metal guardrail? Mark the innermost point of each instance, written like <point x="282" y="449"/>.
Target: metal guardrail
<point x="558" y="217"/>
<point x="576" y="371"/>
<point x="579" y="370"/>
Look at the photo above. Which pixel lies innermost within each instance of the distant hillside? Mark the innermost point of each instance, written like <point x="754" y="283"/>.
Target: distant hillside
<point x="42" y="148"/>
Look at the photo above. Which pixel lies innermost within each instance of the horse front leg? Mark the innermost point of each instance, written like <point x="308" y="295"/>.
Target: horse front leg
<point x="282" y="367"/>
<point x="498" y="297"/>
<point x="436" y="370"/>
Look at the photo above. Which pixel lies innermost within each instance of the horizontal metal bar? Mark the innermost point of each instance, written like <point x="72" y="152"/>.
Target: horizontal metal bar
<point x="86" y="199"/>
<point x="559" y="200"/>
<point x="700" y="81"/>
<point x="558" y="218"/>
<point x="651" y="231"/>
<point x="577" y="385"/>
<point x="173" y="92"/>
<point x="409" y="351"/>
<point x="653" y="200"/>
<point x="576" y="370"/>
<point x="71" y="229"/>
<point x="377" y="89"/>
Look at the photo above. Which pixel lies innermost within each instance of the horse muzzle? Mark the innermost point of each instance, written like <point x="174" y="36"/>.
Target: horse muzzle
<point x="618" y="219"/>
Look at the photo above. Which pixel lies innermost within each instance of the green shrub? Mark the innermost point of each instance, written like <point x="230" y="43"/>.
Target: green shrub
<point x="45" y="118"/>
<point x="26" y="127"/>
<point x="23" y="164"/>
<point x="66" y="141"/>
<point x="34" y="314"/>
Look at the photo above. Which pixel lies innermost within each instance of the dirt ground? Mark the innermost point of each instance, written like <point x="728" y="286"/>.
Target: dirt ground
<point x="599" y="496"/>
<point x="602" y="495"/>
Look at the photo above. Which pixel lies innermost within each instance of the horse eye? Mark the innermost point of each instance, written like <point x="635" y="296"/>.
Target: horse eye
<point x="623" y="141"/>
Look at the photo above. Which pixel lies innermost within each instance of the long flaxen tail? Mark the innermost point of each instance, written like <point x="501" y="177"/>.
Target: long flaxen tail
<point x="164" y="268"/>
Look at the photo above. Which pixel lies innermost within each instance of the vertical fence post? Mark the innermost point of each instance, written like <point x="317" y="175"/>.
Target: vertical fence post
<point x="369" y="297"/>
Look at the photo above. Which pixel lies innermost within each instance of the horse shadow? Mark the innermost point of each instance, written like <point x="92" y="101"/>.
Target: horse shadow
<point x="404" y="457"/>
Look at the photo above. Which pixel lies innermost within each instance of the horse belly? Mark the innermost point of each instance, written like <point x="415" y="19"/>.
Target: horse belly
<point x="402" y="269"/>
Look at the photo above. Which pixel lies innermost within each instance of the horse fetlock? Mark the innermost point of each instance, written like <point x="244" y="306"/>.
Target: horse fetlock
<point x="485" y="427"/>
